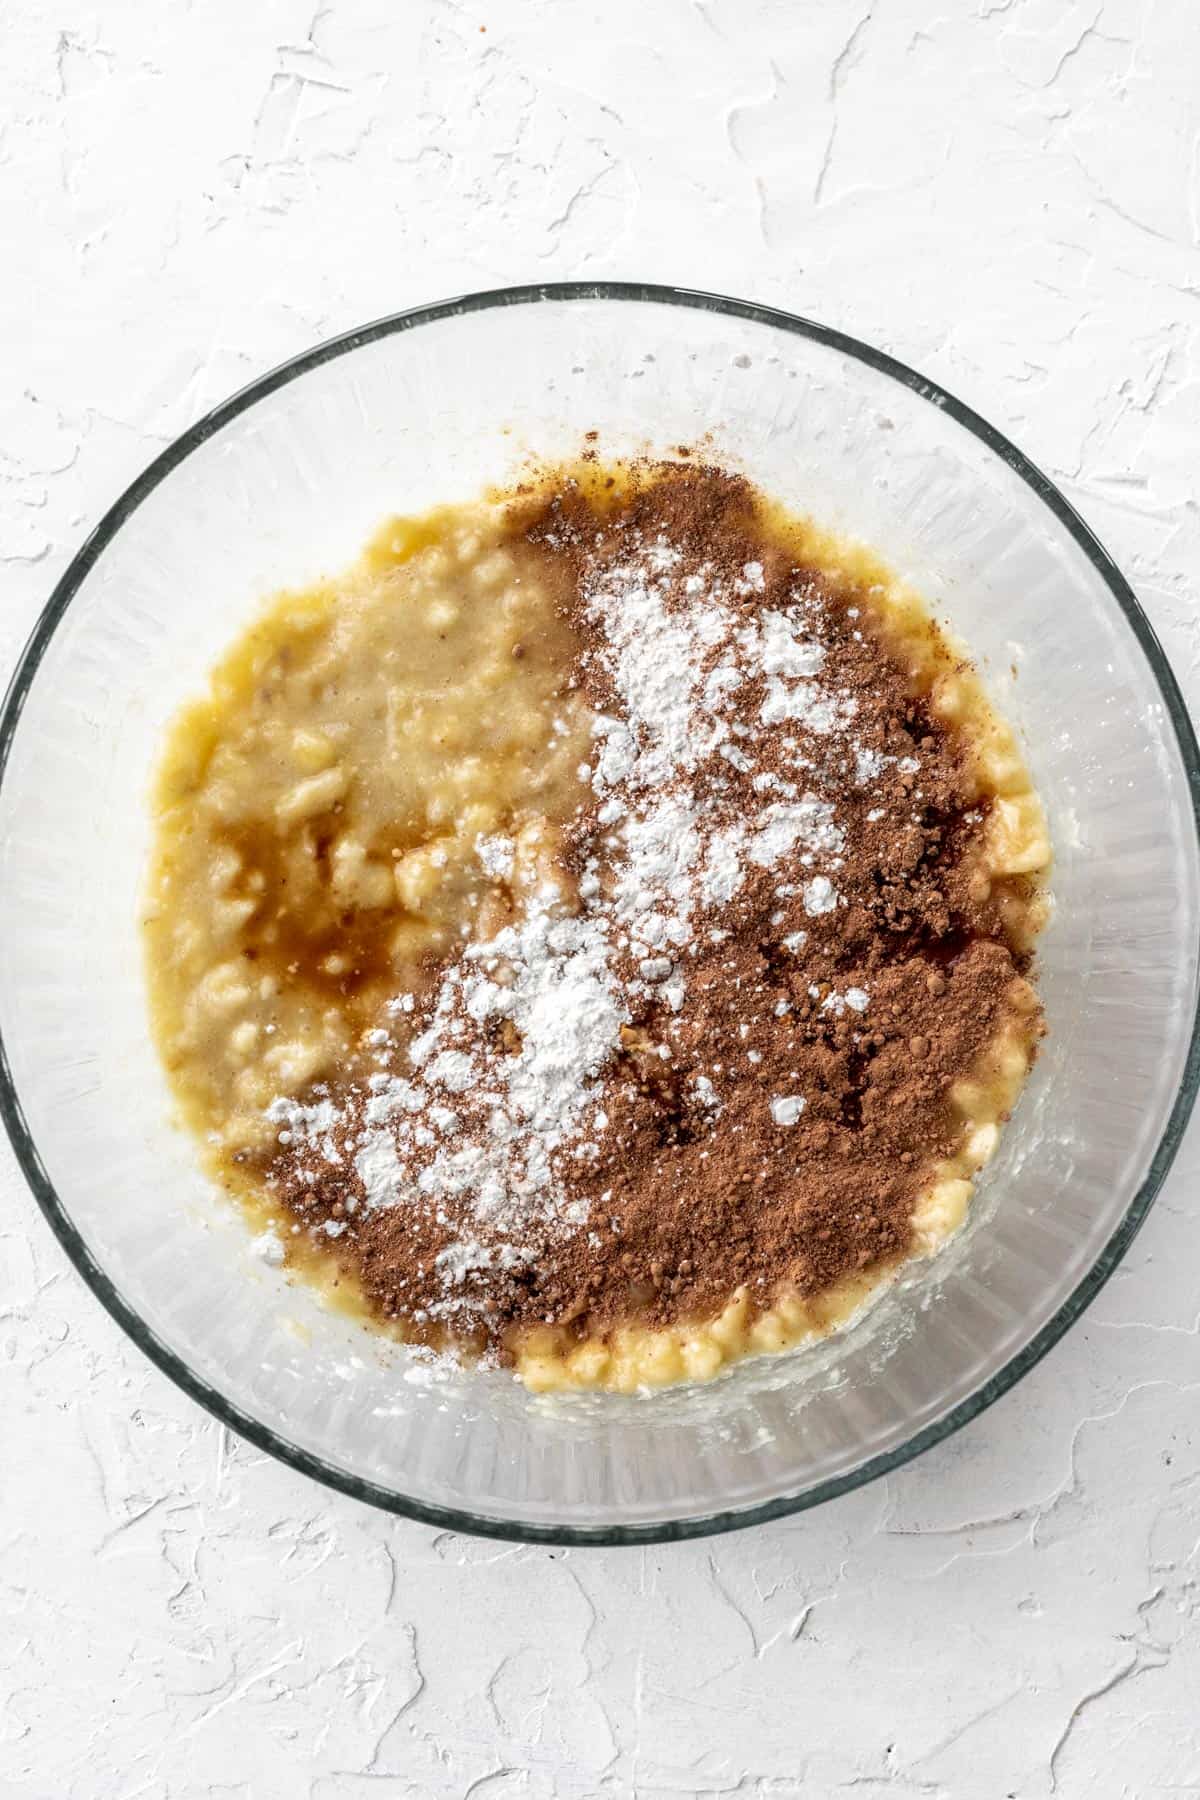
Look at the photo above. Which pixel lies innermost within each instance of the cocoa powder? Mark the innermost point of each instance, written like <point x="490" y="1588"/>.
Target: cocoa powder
<point x="832" y="1029"/>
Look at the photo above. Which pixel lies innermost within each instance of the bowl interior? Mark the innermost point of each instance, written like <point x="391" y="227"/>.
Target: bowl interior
<point x="288" y="487"/>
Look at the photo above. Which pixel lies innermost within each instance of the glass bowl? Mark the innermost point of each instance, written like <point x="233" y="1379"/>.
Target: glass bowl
<point x="287" y="480"/>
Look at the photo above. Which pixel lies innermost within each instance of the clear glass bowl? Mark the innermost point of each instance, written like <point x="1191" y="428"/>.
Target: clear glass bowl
<point x="287" y="480"/>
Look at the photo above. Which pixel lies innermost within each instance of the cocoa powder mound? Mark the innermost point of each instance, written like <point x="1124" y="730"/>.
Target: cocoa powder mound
<point x="775" y="1128"/>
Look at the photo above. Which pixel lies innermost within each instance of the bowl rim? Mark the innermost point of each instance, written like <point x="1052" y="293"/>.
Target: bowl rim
<point x="1019" y="1364"/>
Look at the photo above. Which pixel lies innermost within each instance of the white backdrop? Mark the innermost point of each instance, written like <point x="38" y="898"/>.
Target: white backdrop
<point x="1005" y="193"/>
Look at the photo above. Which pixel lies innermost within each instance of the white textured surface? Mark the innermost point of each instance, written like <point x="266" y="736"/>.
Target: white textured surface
<point x="1005" y="193"/>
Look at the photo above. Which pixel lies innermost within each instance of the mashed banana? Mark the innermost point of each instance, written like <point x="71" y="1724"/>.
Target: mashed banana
<point x="319" y="821"/>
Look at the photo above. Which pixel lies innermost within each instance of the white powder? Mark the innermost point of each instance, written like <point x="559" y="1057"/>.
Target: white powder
<point x="819" y="896"/>
<point x="496" y="855"/>
<point x="310" y="1121"/>
<point x="268" y="1247"/>
<point x="311" y="1124"/>
<point x="459" y="1260"/>
<point x="559" y="994"/>
<point x="782" y="653"/>
<point x="705" y="1092"/>
<point x="655" y="636"/>
<point x="808" y="822"/>
<point x="855" y="998"/>
<point x="811" y="705"/>
<point x="722" y="876"/>
<point x="478" y="1133"/>
<point x="380" y="1170"/>
<point x="452" y="1069"/>
<point x="654" y="656"/>
<point x="655" y="968"/>
<point x="868" y="765"/>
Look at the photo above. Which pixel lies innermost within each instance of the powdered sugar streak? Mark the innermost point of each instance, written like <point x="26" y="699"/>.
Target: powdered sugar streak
<point x="500" y="1090"/>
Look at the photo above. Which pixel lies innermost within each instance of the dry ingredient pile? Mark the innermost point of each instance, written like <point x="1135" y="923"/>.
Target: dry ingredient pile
<point x="707" y="1040"/>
